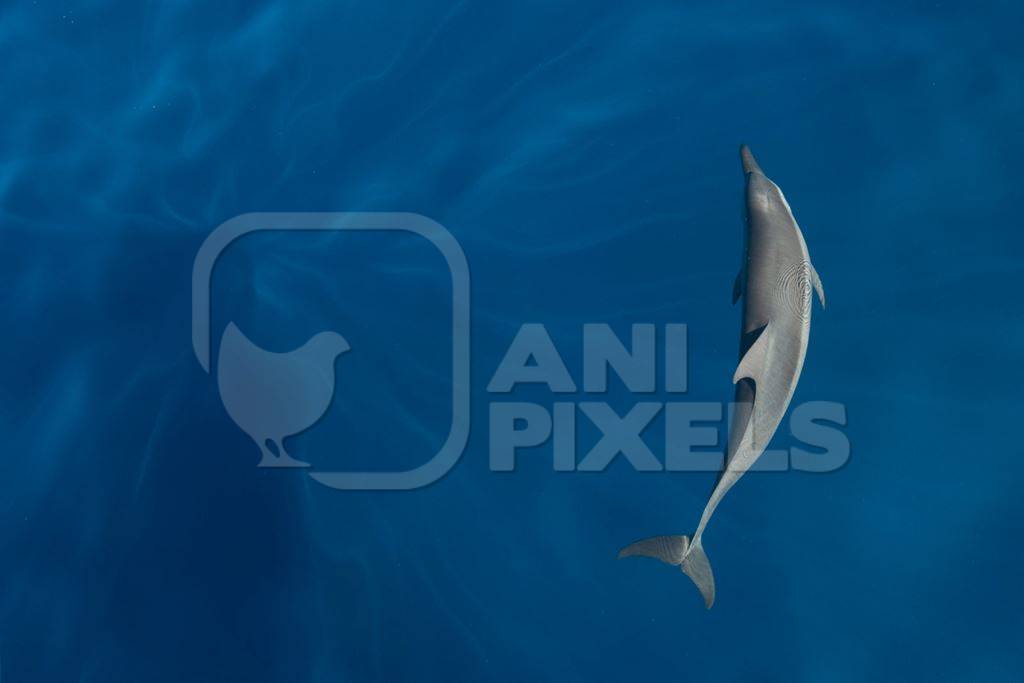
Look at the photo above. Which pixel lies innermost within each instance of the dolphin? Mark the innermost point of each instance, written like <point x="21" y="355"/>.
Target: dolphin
<point x="775" y="283"/>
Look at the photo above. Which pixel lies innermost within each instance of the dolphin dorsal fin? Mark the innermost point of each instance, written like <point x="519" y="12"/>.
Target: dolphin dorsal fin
<point x="752" y="363"/>
<point x="816" y="281"/>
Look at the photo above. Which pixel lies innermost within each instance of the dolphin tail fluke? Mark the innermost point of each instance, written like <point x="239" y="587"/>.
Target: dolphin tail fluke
<point x="677" y="551"/>
<point x="697" y="567"/>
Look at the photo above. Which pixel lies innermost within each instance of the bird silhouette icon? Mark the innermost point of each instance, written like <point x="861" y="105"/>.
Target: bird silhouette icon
<point x="271" y="396"/>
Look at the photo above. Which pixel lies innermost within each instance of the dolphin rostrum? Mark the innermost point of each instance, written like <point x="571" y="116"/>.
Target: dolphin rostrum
<point x="775" y="282"/>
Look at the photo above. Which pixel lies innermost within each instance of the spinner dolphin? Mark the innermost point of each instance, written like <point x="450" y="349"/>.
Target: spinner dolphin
<point x="775" y="283"/>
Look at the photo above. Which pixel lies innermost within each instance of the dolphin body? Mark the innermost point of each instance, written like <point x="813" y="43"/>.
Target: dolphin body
<point x="775" y="283"/>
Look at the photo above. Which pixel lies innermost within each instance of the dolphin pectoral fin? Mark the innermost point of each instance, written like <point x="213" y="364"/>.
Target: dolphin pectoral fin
<point x="816" y="281"/>
<point x="753" y="360"/>
<point x="737" y="286"/>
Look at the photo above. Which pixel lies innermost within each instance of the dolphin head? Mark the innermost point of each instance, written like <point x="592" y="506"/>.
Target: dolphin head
<point x="762" y="193"/>
<point x="749" y="162"/>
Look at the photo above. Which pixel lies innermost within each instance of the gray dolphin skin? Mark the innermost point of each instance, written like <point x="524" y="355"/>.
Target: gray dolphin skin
<point x="775" y="283"/>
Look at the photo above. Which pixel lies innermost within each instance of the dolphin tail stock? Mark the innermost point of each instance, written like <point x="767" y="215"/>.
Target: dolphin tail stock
<point x="678" y="551"/>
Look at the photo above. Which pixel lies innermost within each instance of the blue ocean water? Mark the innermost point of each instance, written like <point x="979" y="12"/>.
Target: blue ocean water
<point x="584" y="156"/>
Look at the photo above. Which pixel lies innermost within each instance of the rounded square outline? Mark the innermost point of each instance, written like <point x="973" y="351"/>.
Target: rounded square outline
<point x="228" y="231"/>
